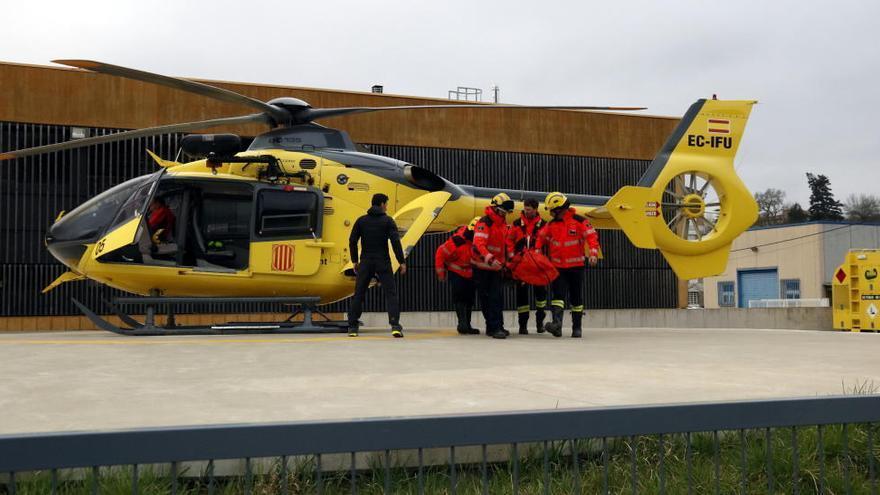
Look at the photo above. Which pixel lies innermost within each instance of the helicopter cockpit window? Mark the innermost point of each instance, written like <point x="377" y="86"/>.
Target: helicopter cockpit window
<point x="289" y="214"/>
<point x="95" y="216"/>
<point x="134" y="206"/>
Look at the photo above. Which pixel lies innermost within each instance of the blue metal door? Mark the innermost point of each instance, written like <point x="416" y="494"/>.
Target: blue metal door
<point x="757" y="284"/>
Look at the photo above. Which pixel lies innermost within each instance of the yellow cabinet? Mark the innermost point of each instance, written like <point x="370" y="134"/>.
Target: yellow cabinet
<point x="856" y="291"/>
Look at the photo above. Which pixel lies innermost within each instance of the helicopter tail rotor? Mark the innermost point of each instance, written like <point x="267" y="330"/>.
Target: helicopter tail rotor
<point x="690" y="204"/>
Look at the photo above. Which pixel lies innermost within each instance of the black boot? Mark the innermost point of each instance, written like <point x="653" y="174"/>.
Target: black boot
<point x="539" y="317"/>
<point x="576" y="319"/>
<point x="471" y="330"/>
<point x="464" y="320"/>
<point x="524" y="323"/>
<point x="555" y="326"/>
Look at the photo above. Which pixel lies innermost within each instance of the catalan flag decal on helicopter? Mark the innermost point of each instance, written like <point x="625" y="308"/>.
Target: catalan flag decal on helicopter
<point x="282" y="258"/>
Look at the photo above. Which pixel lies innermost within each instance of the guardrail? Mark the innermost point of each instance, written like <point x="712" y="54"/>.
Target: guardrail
<point x="590" y="452"/>
<point x="790" y="303"/>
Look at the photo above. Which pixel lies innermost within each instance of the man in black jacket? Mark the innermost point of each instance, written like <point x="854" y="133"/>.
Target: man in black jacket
<point x="374" y="230"/>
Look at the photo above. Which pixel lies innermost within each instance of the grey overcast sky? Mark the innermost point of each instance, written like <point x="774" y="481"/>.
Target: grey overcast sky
<point x="814" y="66"/>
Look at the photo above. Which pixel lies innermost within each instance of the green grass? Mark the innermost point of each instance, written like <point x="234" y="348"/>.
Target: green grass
<point x="846" y="462"/>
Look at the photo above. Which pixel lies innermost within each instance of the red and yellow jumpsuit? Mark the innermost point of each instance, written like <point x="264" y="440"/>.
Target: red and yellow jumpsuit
<point x="566" y="240"/>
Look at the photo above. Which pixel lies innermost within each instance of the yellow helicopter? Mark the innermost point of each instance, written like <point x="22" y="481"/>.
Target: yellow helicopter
<point x="273" y="221"/>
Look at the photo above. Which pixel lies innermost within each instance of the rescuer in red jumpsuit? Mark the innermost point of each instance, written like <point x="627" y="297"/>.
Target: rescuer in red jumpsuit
<point x="488" y="257"/>
<point x="452" y="262"/>
<point x="566" y="239"/>
<point x="521" y="238"/>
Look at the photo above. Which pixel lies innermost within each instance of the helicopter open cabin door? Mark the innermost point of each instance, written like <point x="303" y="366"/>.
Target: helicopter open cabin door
<point x="126" y="227"/>
<point x="287" y="230"/>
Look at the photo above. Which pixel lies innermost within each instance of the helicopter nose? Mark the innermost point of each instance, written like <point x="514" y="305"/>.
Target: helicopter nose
<point x="67" y="252"/>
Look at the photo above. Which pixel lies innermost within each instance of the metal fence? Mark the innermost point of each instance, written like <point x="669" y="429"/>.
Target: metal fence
<point x="730" y="447"/>
<point x="33" y="190"/>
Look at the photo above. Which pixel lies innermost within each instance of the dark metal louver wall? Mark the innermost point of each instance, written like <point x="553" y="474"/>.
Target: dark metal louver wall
<point x="34" y="190"/>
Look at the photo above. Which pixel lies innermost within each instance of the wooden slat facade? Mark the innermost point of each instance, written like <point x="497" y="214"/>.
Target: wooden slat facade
<point x="51" y="95"/>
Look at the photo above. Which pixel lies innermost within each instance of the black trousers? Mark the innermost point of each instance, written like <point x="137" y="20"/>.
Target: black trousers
<point x="462" y="298"/>
<point x="522" y="297"/>
<point x="490" y="292"/>
<point x="570" y="283"/>
<point x="462" y="289"/>
<point x="382" y="270"/>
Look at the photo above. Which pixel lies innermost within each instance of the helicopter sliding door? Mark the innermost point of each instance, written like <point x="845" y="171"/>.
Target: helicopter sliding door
<point x="287" y="230"/>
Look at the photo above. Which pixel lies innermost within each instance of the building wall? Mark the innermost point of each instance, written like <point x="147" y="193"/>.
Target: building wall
<point x="53" y="95"/>
<point x="810" y="252"/>
<point x="840" y="238"/>
<point x="795" y="259"/>
<point x="578" y="152"/>
<point x="33" y="190"/>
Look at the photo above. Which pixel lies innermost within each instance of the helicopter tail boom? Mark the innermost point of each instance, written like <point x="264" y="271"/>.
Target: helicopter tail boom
<point x="690" y="204"/>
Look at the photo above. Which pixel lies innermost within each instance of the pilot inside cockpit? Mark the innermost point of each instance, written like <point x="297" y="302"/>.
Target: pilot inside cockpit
<point x="160" y="221"/>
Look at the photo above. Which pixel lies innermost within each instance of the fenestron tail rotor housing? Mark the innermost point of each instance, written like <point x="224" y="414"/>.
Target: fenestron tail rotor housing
<point x="692" y="206"/>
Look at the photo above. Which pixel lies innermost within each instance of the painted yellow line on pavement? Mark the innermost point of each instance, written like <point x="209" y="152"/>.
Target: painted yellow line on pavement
<point x="211" y="340"/>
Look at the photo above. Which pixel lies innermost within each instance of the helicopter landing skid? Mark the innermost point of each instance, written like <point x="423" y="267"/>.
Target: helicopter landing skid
<point x="304" y="305"/>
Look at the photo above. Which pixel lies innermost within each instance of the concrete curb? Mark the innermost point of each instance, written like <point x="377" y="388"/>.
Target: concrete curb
<point x="764" y="318"/>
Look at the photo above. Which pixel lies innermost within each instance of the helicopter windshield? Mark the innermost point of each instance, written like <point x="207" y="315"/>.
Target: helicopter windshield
<point x="96" y="215"/>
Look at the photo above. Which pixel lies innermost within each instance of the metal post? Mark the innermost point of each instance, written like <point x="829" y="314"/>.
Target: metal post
<point x="662" y="449"/>
<point x="744" y="466"/>
<point x="387" y="463"/>
<point x="717" y="458"/>
<point x="515" y="470"/>
<point x="353" y="475"/>
<point x="575" y="466"/>
<point x="421" y="471"/>
<point x="687" y="454"/>
<point x="605" y="465"/>
<point x="846" y="477"/>
<point x="634" y="468"/>
<point x="211" y="477"/>
<point x="319" y="475"/>
<point x="768" y="439"/>
<point x="871" y="474"/>
<point x="248" y="476"/>
<point x="452" y="480"/>
<point x="821" y="449"/>
<point x="283" y="476"/>
<point x="546" y="470"/>
<point x="173" y="478"/>
<point x="795" y="468"/>
<point x="485" y="472"/>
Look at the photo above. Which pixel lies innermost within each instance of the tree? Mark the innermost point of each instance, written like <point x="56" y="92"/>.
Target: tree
<point x="823" y="206"/>
<point x="795" y="214"/>
<point x="862" y="208"/>
<point x="770" y="206"/>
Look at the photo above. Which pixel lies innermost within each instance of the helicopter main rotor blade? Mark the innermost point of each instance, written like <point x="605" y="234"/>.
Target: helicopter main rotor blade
<point x="323" y="113"/>
<point x="280" y="115"/>
<point x="137" y="133"/>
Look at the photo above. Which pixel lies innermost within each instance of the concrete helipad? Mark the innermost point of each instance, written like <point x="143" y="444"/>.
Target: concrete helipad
<point x="91" y="380"/>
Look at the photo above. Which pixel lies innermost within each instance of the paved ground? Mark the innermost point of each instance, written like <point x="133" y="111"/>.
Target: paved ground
<point x="91" y="380"/>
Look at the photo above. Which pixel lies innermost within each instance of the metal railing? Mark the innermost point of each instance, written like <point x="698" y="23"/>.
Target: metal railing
<point x="790" y="303"/>
<point x="587" y="438"/>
